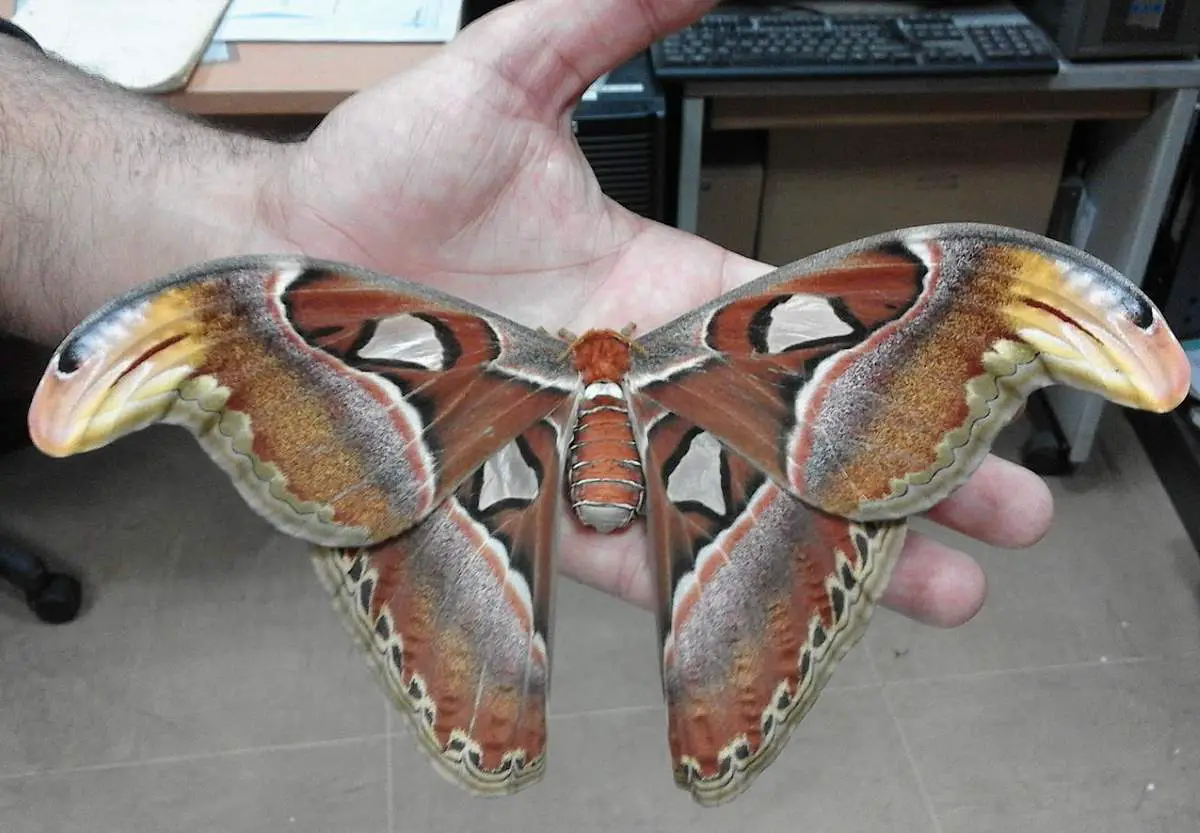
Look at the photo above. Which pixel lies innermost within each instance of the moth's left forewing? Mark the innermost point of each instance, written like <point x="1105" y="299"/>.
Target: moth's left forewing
<point x="456" y="614"/>
<point x="743" y="366"/>
<point x="759" y="598"/>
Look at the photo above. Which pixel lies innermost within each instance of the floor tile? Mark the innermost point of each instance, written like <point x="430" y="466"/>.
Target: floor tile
<point x="1115" y="577"/>
<point x="606" y="655"/>
<point x="605" y="652"/>
<point x="1027" y="749"/>
<point x="844" y="769"/>
<point x="336" y="787"/>
<point x="204" y="629"/>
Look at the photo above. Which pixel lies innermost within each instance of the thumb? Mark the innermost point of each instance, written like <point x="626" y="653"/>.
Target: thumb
<point x="553" y="49"/>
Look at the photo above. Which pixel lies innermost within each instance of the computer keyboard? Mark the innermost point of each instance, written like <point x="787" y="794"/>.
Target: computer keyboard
<point x="740" y="44"/>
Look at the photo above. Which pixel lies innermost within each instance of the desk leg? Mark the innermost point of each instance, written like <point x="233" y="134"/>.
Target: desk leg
<point x="691" y="142"/>
<point x="1131" y="168"/>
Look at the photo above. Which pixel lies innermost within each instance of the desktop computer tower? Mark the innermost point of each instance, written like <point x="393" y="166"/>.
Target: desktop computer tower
<point x="1119" y="29"/>
<point x="621" y="126"/>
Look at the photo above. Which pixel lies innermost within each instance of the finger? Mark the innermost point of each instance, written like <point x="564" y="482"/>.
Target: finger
<point x="1002" y="504"/>
<point x="553" y="49"/>
<point x="618" y="566"/>
<point x="935" y="584"/>
<point x="931" y="583"/>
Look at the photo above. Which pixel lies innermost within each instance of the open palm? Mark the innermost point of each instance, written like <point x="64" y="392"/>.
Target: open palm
<point x="463" y="173"/>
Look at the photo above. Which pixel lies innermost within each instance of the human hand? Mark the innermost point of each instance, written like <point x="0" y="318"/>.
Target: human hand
<point x="463" y="173"/>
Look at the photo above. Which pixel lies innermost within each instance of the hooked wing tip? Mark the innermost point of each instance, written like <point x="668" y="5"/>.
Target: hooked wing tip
<point x="113" y="375"/>
<point x="1098" y="331"/>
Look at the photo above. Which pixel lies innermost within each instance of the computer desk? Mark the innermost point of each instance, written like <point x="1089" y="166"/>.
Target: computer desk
<point x="1138" y="117"/>
<point x="292" y="79"/>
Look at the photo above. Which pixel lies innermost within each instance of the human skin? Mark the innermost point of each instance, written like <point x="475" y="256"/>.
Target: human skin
<point x="462" y="173"/>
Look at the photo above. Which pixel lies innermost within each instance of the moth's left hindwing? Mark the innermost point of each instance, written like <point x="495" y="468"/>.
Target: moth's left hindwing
<point x="345" y="405"/>
<point x="760" y="596"/>
<point x="456" y="613"/>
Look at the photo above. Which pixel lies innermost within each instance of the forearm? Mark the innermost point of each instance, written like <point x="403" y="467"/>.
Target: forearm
<point x="104" y="189"/>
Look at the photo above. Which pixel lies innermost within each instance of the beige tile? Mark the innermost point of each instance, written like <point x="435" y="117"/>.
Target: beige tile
<point x="1026" y="749"/>
<point x="844" y="769"/>
<point x="338" y="787"/>
<point x="606" y="655"/>
<point x="249" y="653"/>
<point x="1116" y="577"/>
<point x="204" y="630"/>
<point x="605" y="652"/>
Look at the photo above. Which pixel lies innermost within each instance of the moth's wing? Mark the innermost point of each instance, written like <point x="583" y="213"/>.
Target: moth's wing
<point x="871" y="379"/>
<point x="759" y="597"/>
<point x="344" y="404"/>
<point x="456" y="613"/>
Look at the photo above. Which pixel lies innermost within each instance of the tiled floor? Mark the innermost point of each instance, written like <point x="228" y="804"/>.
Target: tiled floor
<point x="208" y="686"/>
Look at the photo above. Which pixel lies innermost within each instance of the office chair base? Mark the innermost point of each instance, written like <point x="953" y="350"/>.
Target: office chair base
<point x="57" y="600"/>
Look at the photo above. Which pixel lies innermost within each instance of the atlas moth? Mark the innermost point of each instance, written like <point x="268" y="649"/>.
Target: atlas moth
<point x="774" y="440"/>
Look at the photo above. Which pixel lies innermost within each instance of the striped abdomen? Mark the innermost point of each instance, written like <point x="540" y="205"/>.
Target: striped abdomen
<point x="605" y="478"/>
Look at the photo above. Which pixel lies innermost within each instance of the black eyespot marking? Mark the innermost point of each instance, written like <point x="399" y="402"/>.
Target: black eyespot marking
<point x="356" y="570"/>
<point x="365" y="591"/>
<point x="768" y="724"/>
<point x="1140" y="313"/>
<point x="862" y="543"/>
<point x="383" y="628"/>
<point x="414" y="689"/>
<point x="457" y="745"/>
<point x="68" y="359"/>
<point x="818" y="636"/>
<point x="848" y="578"/>
<point x="805" y="664"/>
<point x="741" y="751"/>
<point x="838" y="599"/>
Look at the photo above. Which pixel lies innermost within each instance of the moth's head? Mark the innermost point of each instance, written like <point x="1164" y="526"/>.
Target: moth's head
<point x="1096" y="331"/>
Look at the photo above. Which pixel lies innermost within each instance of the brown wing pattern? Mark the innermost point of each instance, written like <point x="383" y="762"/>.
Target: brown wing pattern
<point x="870" y="380"/>
<point x="343" y="404"/>
<point x="455" y="614"/>
<point x="760" y="596"/>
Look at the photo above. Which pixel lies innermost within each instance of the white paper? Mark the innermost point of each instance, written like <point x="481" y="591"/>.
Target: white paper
<point x="377" y="21"/>
<point x="140" y="44"/>
<point x="215" y="54"/>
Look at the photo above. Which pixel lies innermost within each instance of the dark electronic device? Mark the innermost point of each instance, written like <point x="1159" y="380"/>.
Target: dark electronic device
<point x="621" y="126"/>
<point x="1117" y="29"/>
<point x="753" y="40"/>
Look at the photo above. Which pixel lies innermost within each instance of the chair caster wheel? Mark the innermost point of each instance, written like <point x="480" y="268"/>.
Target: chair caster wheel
<point x="56" y="599"/>
<point x="1043" y="454"/>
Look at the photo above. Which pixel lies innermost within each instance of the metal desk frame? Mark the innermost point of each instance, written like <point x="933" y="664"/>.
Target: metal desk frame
<point x="1131" y="166"/>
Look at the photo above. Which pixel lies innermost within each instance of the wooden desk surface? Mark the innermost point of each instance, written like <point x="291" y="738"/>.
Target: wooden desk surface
<point x="288" y="78"/>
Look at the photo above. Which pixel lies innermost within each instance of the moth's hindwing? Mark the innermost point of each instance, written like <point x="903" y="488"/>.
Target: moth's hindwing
<point x="455" y="614"/>
<point x="343" y="404"/>
<point x="759" y="598"/>
<point x="870" y="380"/>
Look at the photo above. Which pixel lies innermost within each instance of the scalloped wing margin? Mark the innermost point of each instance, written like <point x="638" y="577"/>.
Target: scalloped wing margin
<point x="760" y="597"/>
<point x="456" y="614"/>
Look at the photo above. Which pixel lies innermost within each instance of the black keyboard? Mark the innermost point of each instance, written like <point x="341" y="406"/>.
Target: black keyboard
<point x="740" y="44"/>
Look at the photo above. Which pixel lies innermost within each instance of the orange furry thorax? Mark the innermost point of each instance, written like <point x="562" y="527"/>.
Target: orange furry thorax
<point x="601" y="355"/>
